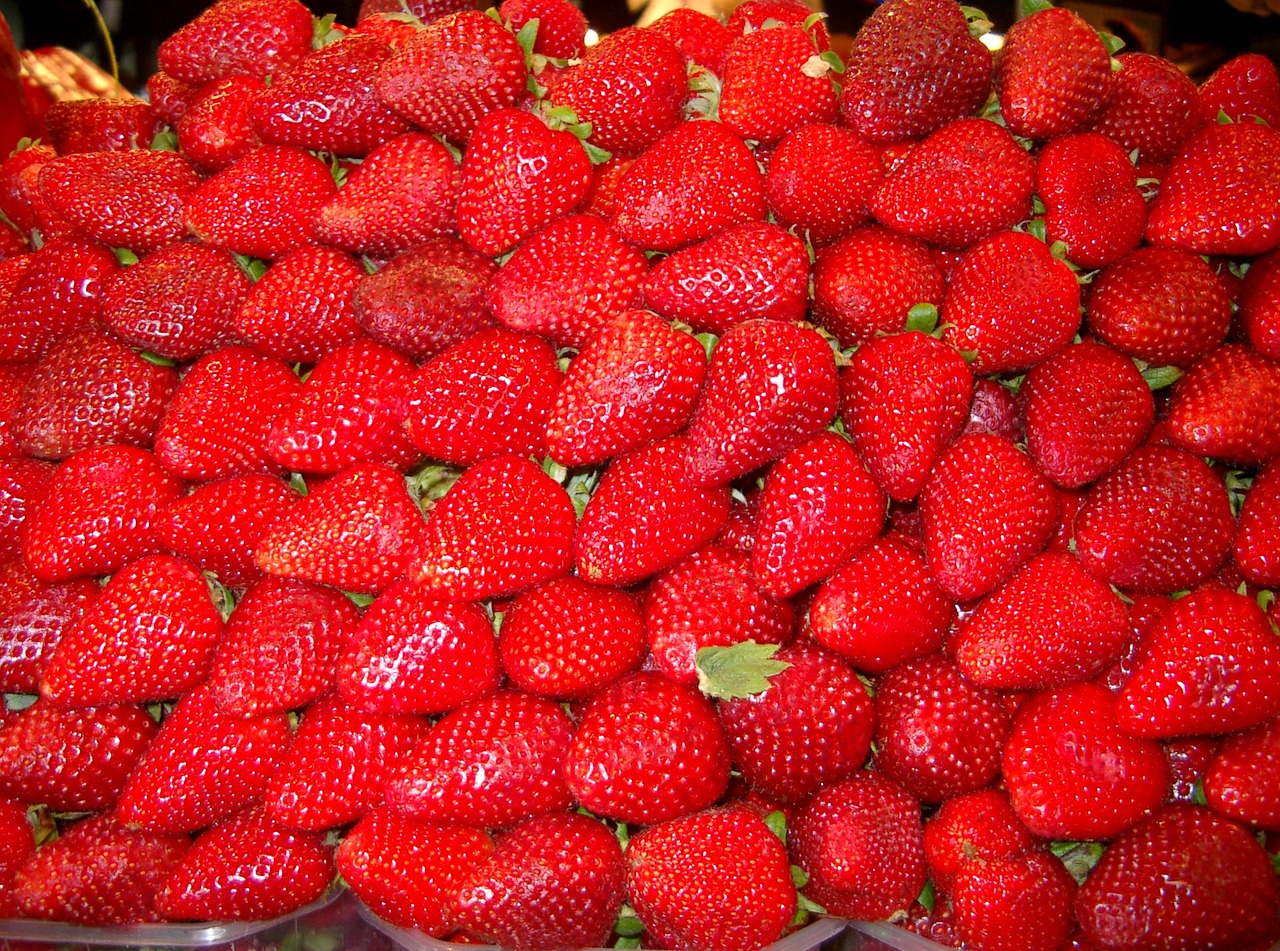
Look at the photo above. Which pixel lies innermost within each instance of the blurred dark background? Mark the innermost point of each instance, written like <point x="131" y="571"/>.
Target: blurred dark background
<point x="1199" y="34"/>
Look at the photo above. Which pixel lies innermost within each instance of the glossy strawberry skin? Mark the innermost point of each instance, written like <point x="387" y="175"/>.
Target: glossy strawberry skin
<point x="1152" y="109"/>
<point x="1021" y="902"/>
<point x="1245" y="88"/>
<point x="1257" y="544"/>
<point x="215" y="130"/>
<point x="820" y="178"/>
<point x="1240" y="781"/>
<point x="972" y="827"/>
<point x="100" y="124"/>
<point x="32" y="625"/>
<point x="773" y="85"/>
<point x="1218" y="408"/>
<point x="238" y="36"/>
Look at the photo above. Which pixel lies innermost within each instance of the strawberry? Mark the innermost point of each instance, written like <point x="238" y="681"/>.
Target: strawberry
<point x="820" y="179"/>
<point x="753" y="15"/>
<point x="1052" y="75"/>
<point x="718" y="879"/>
<point x="1221" y="193"/>
<point x="72" y="760"/>
<point x="202" y="767"/>
<point x="694" y="182"/>
<point x="218" y="421"/>
<point x="98" y="872"/>
<point x="1183" y="878"/>
<point x="1245" y="87"/>
<point x="936" y="733"/>
<point x="1211" y="665"/>
<point x="1072" y="770"/>
<point x="489" y="395"/>
<point x="913" y="68"/>
<point x="428" y="11"/>
<point x="710" y="599"/>
<point x="1241" y="780"/>
<point x="1219" y="408"/>
<point x="215" y="130"/>
<point x="568" y="639"/>
<point x="415" y="653"/>
<point x="17" y="843"/>
<point x="976" y="826"/>
<point x="634" y="381"/>
<point x="357" y="531"/>
<point x="426" y="299"/>
<point x="100" y="514"/>
<point x="562" y="28"/>
<point x="150" y="636"/>
<point x="1159" y="305"/>
<point x="774" y="82"/>
<point x="860" y="843"/>
<point x="326" y="102"/>
<point x="178" y="302"/>
<point x="169" y="97"/>
<point x="1257" y="543"/>
<point x="91" y="390"/>
<point x="1160" y="522"/>
<point x="771" y="386"/>
<point x="100" y="124"/>
<point x="18" y="189"/>
<point x="31" y="628"/>
<point x="409" y="871"/>
<point x="279" y="650"/>
<point x="647" y="750"/>
<point x="1258" y="305"/>
<point x="554" y="881"/>
<point x="1152" y="110"/>
<point x="301" y="310"/>
<point x="502" y="528"/>
<point x="752" y="271"/>
<point x="968" y="180"/>
<point x="986" y="511"/>
<point x="123" y="199"/>
<point x="338" y="763"/>
<point x="1015" y="903"/>
<point x="248" y="867"/>
<point x="450" y="75"/>
<point x="23" y="485"/>
<point x="517" y="176"/>
<point x="13" y="380"/>
<point x="243" y="209"/>
<point x="255" y="37"/>
<point x="1085" y="408"/>
<point x="567" y="280"/>
<point x="701" y="38"/>
<point x="350" y="410"/>
<point x="881" y="609"/>
<point x="493" y="762"/>
<point x="404" y="192"/>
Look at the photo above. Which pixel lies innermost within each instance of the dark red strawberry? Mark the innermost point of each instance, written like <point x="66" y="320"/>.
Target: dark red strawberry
<point x="977" y="826"/>
<point x="17" y="843"/>
<point x="1222" y="407"/>
<point x="1152" y="110"/>
<point x="1091" y="196"/>
<point x="701" y="38"/>
<point x="58" y="292"/>
<point x="1257" y="544"/>
<point x="1014" y="903"/>
<point x="256" y="37"/>
<point x="1258" y="305"/>
<point x="215" y="131"/>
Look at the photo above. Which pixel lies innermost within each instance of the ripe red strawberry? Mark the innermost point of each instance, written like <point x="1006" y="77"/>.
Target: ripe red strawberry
<point x="150" y="636"/>
<point x="913" y="68"/>
<point x="647" y="750"/>
<point x="413" y="652"/>
<point x="718" y="879"/>
<point x="1257" y="544"/>
<point x="1222" y="407"/>
<point x="1015" y="903"/>
<point x="404" y="192"/>
<point x="350" y="410"/>
<point x="860" y="842"/>
<point x="1211" y="665"/>
<point x="58" y="292"/>
<point x="202" y="767"/>
<point x="1183" y="878"/>
<point x="100" y="124"/>
<point x="23" y="485"/>
<point x="567" y="280"/>
<point x="770" y="386"/>
<point x="1161" y="522"/>
<point x="17" y="843"/>
<point x="881" y="609"/>
<point x="215" y="131"/>
<point x="99" y="872"/>
<point x="178" y="302"/>
<point x="1159" y="305"/>
<point x="755" y="15"/>
<point x="634" y="381"/>
<point x="428" y="11"/>
<point x="752" y="271"/>
<point x="1091" y="197"/>
<point x="408" y="871"/>
<point x="1221" y="194"/>
<point x="279" y="650"/>
<point x="977" y="826"/>
<point x="562" y="27"/>
<point x="1241" y="781"/>
<point x="72" y="760"/>
<point x="554" y="881"/>
<point x="32" y="625"/>
<point x="502" y="528"/>
<point x="248" y="867"/>
<point x="517" y="176"/>
<point x="427" y="299"/>
<point x="1052" y="75"/>
<point x="17" y="187"/>
<point x="1152" y="110"/>
<point x="491" y="763"/>
<point x="710" y="599"/>
<point x="357" y="531"/>
<point x="701" y="38"/>
<point x="217" y="423"/>
<point x="100" y="514"/>
<point x="1246" y="88"/>
<point x="820" y="179"/>
<point x="1258" y="305"/>
<point x="243" y="209"/>
<point x="968" y="180"/>
<point x="489" y="395"/>
<point x="986" y="511"/>
<point x="694" y="182"/>
<point x="256" y="37"/>
<point x="13" y="379"/>
<point x="338" y="764"/>
<point x="450" y="75"/>
<point x="774" y="82"/>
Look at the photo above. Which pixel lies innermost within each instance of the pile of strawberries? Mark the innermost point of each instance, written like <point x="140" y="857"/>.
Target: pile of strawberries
<point x="651" y="493"/>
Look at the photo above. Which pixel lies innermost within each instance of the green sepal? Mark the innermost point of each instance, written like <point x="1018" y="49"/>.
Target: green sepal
<point x="298" y="483"/>
<point x="1113" y="44"/>
<point x="157" y="710"/>
<point x="324" y="31"/>
<point x="1238" y="484"/>
<point x="1078" y="857"/>
<point x="807" y="904"/>
<point x="1124" y="598"/>
<point x="737" y="671"/>
<point x="125" y="257"/>
<point x="1036" y="228"/>
<point x="628" y="924"/>
<point x="923" y="318"/>
<point x="1224" y="119"/>
<point x="832" y="59"/>
<point x="1027" y="7"/>
<point x="813" y="19"/>
<point x="799" y="877"/>
<point x="1060" y="251"/>
<point x="1275" y="862"/>
<point x="706" y="90"/>
<point x="777" y="823"/>
<point x="44" y="827"/>
<point x="979" y="23"/>
<point x="927" y="897"/>
<point x="13" y="702"/>
<point x="1265" y="599"/>
<point x="24" y="143"/>
<point x="621" y="830"/>
<point x="580" y="487"/>
<point x="597" y="155"/>
<point x="868" y="684"/>
<point x="156" y="360"/>
<point x="253" y="267"/>
<point x="1037" y="206"/>
<point x="453" y="149"/>
<point x="969" y="356"/>
<point x="708" y="341"/>
<point x="1158" y="378"/>
<point x="166" y="140"/>
<point x="493" y="14"/>
<point x="224" y="599"/>
<point x="360" y="599"/>
<point x="369" y="264"/>
<point x="526" y="36"/>
<point x="430" y="483"/>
